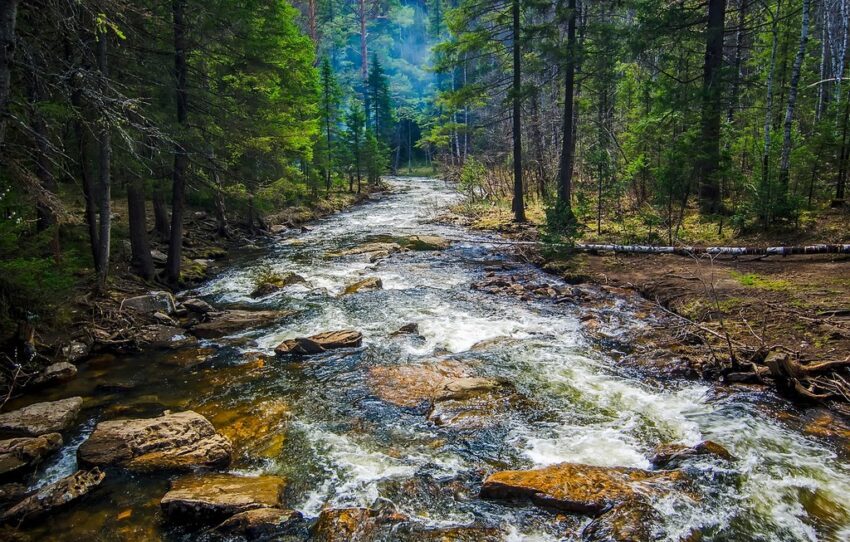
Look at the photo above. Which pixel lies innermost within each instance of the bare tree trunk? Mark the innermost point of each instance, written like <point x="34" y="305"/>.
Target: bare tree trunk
<point x="565" y="172"/>
<point x="181" y="160"/>
<point x="764" y="196"/>
<point x="736" y="67"/>
<point x="311" y="24"/>
<point x="824" y="49"/>
<point x="105" y="174"/>
<point x="139" y="246"/>
<point x="518" y="204"/>
<point x="711" y="108"/>
<point x="8" y="17"/>
<point x="785" y="161"/>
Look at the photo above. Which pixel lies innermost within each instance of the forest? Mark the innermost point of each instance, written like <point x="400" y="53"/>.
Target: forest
<point x="414" y="270"/>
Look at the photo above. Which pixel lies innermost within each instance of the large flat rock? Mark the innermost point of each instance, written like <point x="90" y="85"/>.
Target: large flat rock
<point x="180" y="441"/>
<point x="41" y="418"/>
<point x="233" y="321"/>
<point x="53" y="496"/>
<point x="579" y="488"/>
<point x="219" y="496"/>
<point x="19" y="454"/>
<point x="322" y="342"/>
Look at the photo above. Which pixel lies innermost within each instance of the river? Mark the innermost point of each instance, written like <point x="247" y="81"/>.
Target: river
<point x="340" y="445"/>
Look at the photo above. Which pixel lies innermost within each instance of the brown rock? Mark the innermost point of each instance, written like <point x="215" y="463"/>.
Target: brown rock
<point x="234" y="321"/>
<point x="426" y="242"/>
<point x="366" y="285"/>
<point x="370" y="248"/>
<point x="17" y="454"/>
<point x="626" y="522"/>
<point x="351" y="524"/>
<point x="254" y="428"/>
<point x="41" y="418"/>
<point x="219" y="496"/>
<point x="198" y="306"/>
<point x="189" y="357"/>
<point x="150" y="303"/>
<point x="317" y="344"/>
<point x="180" y="441"/>
<point x="672" y="454"/>
<point x="406" y="329"/>
<point x="53" y="496"/>
<point x="258" y="523"/>
<point x="165" y="336"/>
<point x="277" y="283"/>
<point x="577" y="488"/>
<point x="410" y="385"/>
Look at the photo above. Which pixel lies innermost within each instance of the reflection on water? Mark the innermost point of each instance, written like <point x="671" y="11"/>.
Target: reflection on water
<point x="341" y="445"/>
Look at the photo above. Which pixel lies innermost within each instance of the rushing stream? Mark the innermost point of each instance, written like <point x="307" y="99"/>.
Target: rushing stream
<point x="340" y="445"/>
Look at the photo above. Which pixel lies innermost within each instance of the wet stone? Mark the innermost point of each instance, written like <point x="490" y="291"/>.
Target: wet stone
<point x="352" y="524"/>
<point x="316" y="344"/>
<point x="165" y="337"/>
<point x="218" y="496"/>
<point x="53" y="496"/>
<point x="20" y="454"/>
<point x="233" y="321"/>
<point x="150" y="303"/>
<point x="189" y="357"/>
<point x="180" y="441"/>
<point x="625" y="522"/>
<point x="260" y="522"/>
<point x="41" y="418"/>
<point x="668" y="455"/>
<point x="366" y="285"/>
<point x="56" y="373"/>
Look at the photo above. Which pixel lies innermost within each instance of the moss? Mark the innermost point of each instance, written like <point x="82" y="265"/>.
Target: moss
<point x="758" y="281"/>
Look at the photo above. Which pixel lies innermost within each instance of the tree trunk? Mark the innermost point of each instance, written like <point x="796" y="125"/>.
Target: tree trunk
<point x="181" y="160"/>
<point x="565" y="172"/>
<point x="45" y="216"/>
<point x="139" y="246"/>
<point x="736" y="66"/>
<point x="764" y="195"/>
<point x="711" y="108"/>
<point x="518" y="205"/>
<point x="8" y="16"/>
<point x="104" y="173"/>
<point x="785" y="161"/>
<point x="160" y="212"/>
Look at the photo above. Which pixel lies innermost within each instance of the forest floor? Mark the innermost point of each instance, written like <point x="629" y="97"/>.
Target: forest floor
<point x="713" y="310"/>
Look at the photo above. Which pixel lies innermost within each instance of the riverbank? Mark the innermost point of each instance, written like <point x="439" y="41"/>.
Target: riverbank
<point x="82" y="323"/>
<point x="747" y="320"/>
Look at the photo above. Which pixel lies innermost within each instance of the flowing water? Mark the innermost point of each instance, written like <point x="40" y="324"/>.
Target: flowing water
<point x="338" y="444"/>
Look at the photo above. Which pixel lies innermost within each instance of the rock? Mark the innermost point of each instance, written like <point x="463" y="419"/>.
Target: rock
<point x="164" y="319"/>
<point x="189" y="357"/>
<point x="150" y="303"/>
<point x="426" y="242"/>
<point x="255" y="429"/>
<point x="199" y="215"/>
<point x="668" y="455"/>
<point x="53" y="496"/>
<point x="159" y="257"/>
<point x="278" y="229"/>
<point x="579" y="488"/>
<point x="55" y="374"/>
<point x="164" y="336"/>
<point x="180" y="441"/>
<point x="352" y="524"/>
<point x="366" y="285"/>
<point x="410" y="385"/>
<point x="331" y="340"/>
<point x="406" y="329"/>
<point x="219" y="496"/>
<point x="75" y="351"/>
<point x="449" y="534"/>
<point x="11" y="493"/>
<point x="259" y="523"/>
<point x="276" y="284"/>
<point x="370" y="248"/>
<point x="198" y="306"/>
<point x="18" y="454"/>
<point x="41" y="418"/>
<point x="234" y="321"/>
<point x="626" y="522"/>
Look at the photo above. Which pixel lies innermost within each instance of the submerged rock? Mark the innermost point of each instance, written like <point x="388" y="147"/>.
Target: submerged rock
<point x="366" y="285"/>
<point x="189" y="357"/>
<point x="579" y="488"/>
<point x="316" y="344"/>
<point x="625" y="522"/>
<point x="219" y="496"/>
<point x="233" y="321"/>
<point x="150" y="303"/>
<point x="54" y="496"/>
<point x="668" y="455"/>
<point x="41" y="418"/>
<point x="255" y="429"/>
<point x="259" y="523"/>
<point x="352" y="524"/>
<point x="56" y="373"/>
<point x="180" y="441"/>
<point x="19" y="454"/>
<point x="165" y="336"/>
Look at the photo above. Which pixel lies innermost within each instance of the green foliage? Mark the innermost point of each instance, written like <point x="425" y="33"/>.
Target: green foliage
<point x="472" y="178"/>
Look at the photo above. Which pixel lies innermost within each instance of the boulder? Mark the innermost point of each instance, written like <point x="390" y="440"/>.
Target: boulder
<point x="579" y="488"/>
<point x="159" y="257"/>
<point x="198" y="306"/>
<point x="277" y="283"/>
<point x="19" y="454"/>
<point x="180" y="441"/>
<point x="407" y="329"/>
<point x="625" y="522"/>
<point x="55" y="374"/>
<point x="366" y="285"/>
<point x="370" y="249"/>
<point x="42" y="418"/>
<point x="150" y="303"/>
<point x="220" y="496"/>
<point x="352" y="524"/>
<point x="164" y="337"/>
<point x="234" y="321"/>
<point x="259" y="523"/>
<point x="278" y="229"/>
<point x="74" y="351"/>
<point x="55" y="495"/>
<point x="411" y="385"/>
<point x="668" y="455"/>
<point x="316" y="344"/>
<point x="426" y="242"/>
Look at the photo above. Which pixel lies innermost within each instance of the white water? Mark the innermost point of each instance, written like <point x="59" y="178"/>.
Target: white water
<point x="593" y="413"/>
